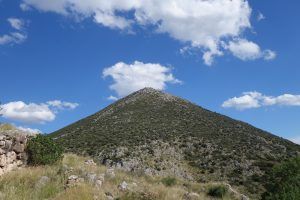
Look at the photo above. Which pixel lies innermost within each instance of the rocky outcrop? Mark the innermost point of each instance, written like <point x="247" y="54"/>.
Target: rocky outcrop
<point x="12" y="151"/>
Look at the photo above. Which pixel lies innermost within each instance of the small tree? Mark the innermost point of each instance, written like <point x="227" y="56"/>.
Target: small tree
<point x="42" y="150"/>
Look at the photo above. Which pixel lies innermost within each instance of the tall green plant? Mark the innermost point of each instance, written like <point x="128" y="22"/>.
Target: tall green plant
<point x="42" y="150"/>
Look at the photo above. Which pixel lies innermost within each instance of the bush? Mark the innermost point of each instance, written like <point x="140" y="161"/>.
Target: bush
<point x="42" y="150"/>
<point x="169" y="181"/>
<point x="217" y="191"/>
<point x="284" y="181"/>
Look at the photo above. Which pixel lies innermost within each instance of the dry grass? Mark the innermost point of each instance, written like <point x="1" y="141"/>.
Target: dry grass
<point x="24" y="184"/>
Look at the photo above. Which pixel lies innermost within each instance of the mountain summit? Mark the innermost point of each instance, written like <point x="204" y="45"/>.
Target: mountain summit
<point x="156" y="133"/>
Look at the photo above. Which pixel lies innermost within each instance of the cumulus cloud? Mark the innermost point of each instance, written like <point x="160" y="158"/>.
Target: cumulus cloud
<point x="128" y="78"/>
<point x="32" y="112"/>
<point x="16" y="23"/>
<point x="200" y="24"/>
<point x="255" y="100"/>
<point x="17" y="36"/>
<point x="247" y="50"/>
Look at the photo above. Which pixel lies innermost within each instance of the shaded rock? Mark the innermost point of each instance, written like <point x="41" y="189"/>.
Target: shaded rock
<point x="22" y="139"/>
<point x="2" y="151"/>
<point x="19" y="148"/>
<point x="8" y="145"/>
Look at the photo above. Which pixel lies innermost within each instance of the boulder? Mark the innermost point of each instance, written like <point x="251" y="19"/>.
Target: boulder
<point x="74" y="180"/>
<point x="2" y="137"/>
<point x="89" y="162"/>
<point x="2" y="151"/>
<point x="21" y="139"/>
<point x="123" y="186"/>
<point x="19" y="148"/>
<point x="191" y="196"/>
<point x="8" y="144"/>
<point x="98" y="183"/>
<point x="2" y="160"/>
<point x="11" y="156"/>
<point x="2" y="143"/>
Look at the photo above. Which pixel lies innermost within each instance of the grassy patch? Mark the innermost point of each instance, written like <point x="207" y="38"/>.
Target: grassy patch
<point x="169" y="181"/>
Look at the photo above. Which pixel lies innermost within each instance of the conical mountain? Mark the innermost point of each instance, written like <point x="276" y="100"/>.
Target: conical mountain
<point x="153" y="132"/>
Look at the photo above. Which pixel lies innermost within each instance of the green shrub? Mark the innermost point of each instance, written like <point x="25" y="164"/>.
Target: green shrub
<point x="169" y="181"/>
<point x="42" y="150"/>
<point x="218" y="191"/>
<point x="284" y="181"/>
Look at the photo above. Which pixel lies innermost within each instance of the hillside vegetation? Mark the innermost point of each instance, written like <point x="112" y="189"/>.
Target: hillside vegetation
<point x="154" y="133"/>
<point x="52" y="183"/>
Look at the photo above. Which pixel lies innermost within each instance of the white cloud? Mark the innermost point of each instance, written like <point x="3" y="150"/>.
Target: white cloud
<point x="32" y="112"/>
<point x="16" y="23"/>
<point x="247" y="50"/>
<point x="269" y="55"/>
<point x="260" y="16"/>
<point x="14" y="37"/>
<point x="29" y="130"/>
<point x="255" y="100"/>
<point x="296" y="140"/>
<point x="132" y="77"/>
<point x="248" y="100"/>
<point x="112" y="98"/>
<point x="201" y="24"/>
<point x="62" y="104"/>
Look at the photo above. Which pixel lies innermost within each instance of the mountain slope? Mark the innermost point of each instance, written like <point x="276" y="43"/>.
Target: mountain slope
<point x="156" y="133"/>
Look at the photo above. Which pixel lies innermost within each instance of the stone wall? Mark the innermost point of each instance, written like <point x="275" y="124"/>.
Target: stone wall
<point x="12" y="151"/>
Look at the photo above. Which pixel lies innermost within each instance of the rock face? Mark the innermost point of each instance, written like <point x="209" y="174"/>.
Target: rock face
<point x="12" y="151"/>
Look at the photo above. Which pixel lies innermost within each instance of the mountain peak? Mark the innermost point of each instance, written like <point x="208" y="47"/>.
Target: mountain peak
<point x="155" y="132"/>
<point x="154" y="94"/>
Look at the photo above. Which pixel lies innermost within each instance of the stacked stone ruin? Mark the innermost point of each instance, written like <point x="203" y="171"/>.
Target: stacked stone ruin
<point x="12" y="152"/>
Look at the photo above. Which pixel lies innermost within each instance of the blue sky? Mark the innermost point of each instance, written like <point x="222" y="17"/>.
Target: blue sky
<point x="60" y="50"/>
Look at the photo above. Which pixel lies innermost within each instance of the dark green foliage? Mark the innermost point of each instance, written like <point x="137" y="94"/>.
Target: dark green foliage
<point x="284" y="181"/>
<point x="42" y="150"/>
<point x="218" y="191"/>
<point x="169" y="181"/>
